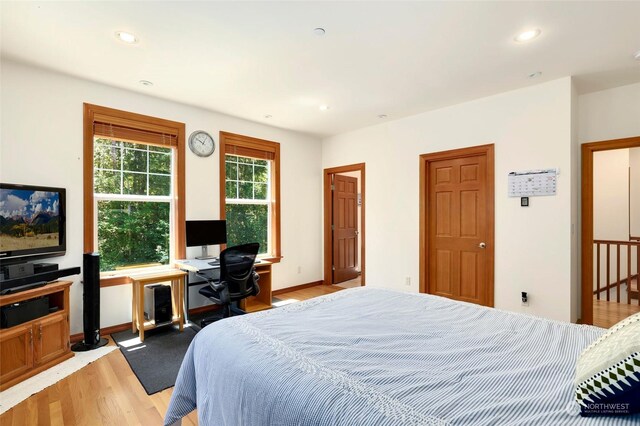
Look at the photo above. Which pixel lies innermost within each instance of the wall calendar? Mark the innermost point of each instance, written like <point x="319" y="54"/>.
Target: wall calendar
<point x="533" y="182"/>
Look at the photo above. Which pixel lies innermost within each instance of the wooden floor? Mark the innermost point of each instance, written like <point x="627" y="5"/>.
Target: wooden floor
<point x="349" y="284"/>
<point x="606" y="314"/>
<point x="106" y="392"/>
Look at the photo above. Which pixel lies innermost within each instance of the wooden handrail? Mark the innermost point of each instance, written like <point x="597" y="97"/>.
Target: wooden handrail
<point x="622" y="243"/>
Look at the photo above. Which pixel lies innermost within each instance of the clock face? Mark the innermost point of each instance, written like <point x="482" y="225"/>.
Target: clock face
<point x="201" y="143"/>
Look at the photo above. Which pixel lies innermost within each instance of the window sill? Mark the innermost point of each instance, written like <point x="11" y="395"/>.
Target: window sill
<point x="272" y="259"/>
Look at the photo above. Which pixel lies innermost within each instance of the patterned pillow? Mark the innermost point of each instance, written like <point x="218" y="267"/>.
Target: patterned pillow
<point x="608" y="371"/>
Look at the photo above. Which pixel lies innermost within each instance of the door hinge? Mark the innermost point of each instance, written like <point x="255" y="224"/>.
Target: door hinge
<point x="333" y="268"/>
<point x="333" y="227"/>
<point x="333" y="187"/>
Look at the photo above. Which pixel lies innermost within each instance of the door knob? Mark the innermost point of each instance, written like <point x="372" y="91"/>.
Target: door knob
<point x="482" y="245"/>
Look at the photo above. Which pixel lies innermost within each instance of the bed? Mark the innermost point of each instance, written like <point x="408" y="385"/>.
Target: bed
<point x="380" y="357"/>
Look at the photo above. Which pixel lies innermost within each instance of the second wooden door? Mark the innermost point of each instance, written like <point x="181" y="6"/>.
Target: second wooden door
<point x="345" y="228"/>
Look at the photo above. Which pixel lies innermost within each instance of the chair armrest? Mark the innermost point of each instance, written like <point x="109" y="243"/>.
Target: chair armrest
<point x="215" y="284"/>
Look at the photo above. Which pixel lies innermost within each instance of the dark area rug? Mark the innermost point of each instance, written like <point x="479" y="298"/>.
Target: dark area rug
<point x="156" y="361"/>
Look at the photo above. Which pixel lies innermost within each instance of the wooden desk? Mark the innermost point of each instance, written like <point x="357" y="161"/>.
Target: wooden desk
<point x="253" y="303"/>
<point x="263" y="300"/>
<point x="31" y="347"/>
<point x="177" y="279"/>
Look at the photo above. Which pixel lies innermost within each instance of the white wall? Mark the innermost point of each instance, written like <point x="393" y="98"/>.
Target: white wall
<point x="576" y="273"/>
<point x="634" y="178"/>
<point x="609" y="114"/>
<point x="531" y="128"/>
<point x="41" y="137"/>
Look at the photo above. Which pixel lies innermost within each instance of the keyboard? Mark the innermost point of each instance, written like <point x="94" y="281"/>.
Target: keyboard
<point x="214" y="263"/>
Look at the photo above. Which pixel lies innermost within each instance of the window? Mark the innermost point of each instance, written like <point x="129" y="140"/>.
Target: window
<point x="134" y="186"/>
<point x="132" y="201"/>
<point x="250" y="191"/>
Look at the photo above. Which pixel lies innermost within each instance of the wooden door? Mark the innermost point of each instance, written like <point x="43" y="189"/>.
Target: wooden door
<point x="345" y="228"/>
<point x="16" y="352"/>
<point x="50" y="338"/>
<point x="460" y="228"/>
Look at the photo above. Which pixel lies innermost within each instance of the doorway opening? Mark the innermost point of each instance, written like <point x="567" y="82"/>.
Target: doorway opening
<point x="610" y="231"/>
<point x="457" y="224"/>
<point x="344" y="225"/>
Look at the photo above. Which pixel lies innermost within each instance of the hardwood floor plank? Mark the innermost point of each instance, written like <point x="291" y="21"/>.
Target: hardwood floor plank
<point x="31" y="417"/>
<point x="607" y="314"/>
<point x="68" y="409"/>
<point x="42" y="406"/>
<point x="55" y="413"/>
<point x="120" y="395"/>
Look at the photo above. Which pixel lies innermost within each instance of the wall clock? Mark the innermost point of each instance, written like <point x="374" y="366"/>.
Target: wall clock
<point x="201" y="143"/>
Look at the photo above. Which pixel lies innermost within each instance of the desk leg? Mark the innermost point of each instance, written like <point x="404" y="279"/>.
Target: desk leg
<point x="134" y="307"/>
<point x="141" y="311"/>
<point x="174" y="300"/>
<point x="181" y="290"/>
<point x="185" y="307"/>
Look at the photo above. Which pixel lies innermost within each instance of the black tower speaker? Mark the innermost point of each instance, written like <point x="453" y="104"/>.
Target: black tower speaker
<point x="91" y="304"/>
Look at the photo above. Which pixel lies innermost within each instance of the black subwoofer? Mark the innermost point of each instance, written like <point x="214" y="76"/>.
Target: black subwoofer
<point x="91" y="304"/>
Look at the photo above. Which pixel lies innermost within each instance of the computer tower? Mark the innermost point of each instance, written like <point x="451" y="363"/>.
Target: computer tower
<point x="157" y="304"/>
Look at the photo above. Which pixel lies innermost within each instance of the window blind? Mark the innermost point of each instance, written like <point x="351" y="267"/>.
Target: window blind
<point x="121" y="132"/>
<point x="243" y="151"/>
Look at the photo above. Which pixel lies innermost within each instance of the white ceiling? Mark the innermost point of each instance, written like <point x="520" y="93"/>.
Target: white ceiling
<point x="250" y="59"/>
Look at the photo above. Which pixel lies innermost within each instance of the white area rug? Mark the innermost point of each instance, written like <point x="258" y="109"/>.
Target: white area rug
<point x="23" y="390"/>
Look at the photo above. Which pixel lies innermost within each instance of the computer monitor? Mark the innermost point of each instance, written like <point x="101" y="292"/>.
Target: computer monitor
<point x="205" y="233"/>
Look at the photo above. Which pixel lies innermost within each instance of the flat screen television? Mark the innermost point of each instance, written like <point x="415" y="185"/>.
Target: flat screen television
<point x="32" y="222"/>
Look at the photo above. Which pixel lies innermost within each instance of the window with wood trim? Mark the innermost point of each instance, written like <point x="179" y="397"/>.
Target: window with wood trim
<point x="250" y="192"/>
<point x="134" y="189"/>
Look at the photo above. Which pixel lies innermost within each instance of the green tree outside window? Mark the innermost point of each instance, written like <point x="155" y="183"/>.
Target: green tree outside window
<point x="132" y="189"/>
<point x="247" y="201"/>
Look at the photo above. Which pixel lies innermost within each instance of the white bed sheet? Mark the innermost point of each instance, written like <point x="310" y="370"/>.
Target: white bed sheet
<point x="379" y="357"/>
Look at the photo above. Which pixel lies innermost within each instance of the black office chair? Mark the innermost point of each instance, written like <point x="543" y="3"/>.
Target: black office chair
<point x="238" y="280"/>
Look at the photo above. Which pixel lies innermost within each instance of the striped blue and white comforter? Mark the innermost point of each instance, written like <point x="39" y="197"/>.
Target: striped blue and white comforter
<point x="379" y="357"/>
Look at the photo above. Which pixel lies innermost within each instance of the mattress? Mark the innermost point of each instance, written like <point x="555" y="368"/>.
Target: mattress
<point x="379" y="357"/>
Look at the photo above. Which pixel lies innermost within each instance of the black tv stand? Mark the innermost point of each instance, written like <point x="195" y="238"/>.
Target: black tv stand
<point x="24" y="287"/>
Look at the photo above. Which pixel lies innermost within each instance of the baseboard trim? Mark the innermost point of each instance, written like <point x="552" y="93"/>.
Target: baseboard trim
<point x="296" y="287"/>
<point x="126" y="326"/>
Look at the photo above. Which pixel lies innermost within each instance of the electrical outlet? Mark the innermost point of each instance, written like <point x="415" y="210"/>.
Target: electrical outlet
<point x="524" y="299"/>
<point x="407" y="281"/>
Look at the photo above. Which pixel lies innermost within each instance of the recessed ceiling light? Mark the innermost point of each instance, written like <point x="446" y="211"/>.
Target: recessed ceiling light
<point x="145" y="83"/>
<point x="527" y="35"/>
<point x="535" y="74"/>
<point x="126" y="37"/>
<point x="382" y="116"/>
<point x="319" y="31"/>
<point x="637" y="55"/>
<point x="324" y="107"/>
<point x="268" y="116"/>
